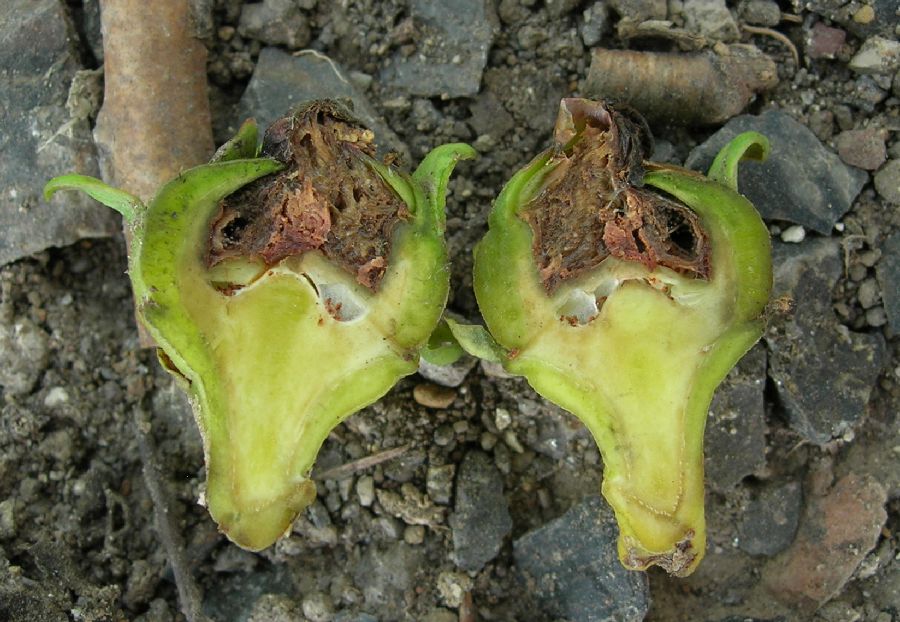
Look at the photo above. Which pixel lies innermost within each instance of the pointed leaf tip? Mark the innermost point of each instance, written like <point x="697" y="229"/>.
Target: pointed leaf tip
<point x="745" y="146"/>
<point x="126" y="204"/>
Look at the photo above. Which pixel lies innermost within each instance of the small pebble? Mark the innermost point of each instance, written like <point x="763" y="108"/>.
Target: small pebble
<point x="864" y="15"/>
<point x="494" y="370"/>
<point x="870" y="258"/>
<point x="761" y="12"/>
<point x="439" y="483"/>
<point x="433" y="396"/>
<point x="488" y="441"/>
<point x="414" y="534"/>
<point x="443" y="435"/>
<point x="452" y="587"/>
<point x="502" y="419"/>
<point x="862" y="148"/>
<point x="793" y="234"/>
<point x="877" y="55"/>
<point x="57" y="396"/>
<point x="317" y="607"/>
<point x="887" y="181"/>
<point x="876" y="317"/>
<point x="868" y="294"/>
<point x="365" y="490"/>
<point x="825" y="41"/>
<point x="509" y="437"/>
<point x="226" y="33"/>
<point x="857" y="271"/>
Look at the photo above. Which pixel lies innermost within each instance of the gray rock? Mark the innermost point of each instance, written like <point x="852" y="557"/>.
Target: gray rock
<point x="761" y="12"/>
<point x="318" y="607"/>
<point x="639" y="10"/>
<point x="572" y="567"/>
<point x="452" y="47"/>
<point x="282" y="81"/>
<point x="275" y="22"/>
<point x="888" y="274"/>
<point x="238" y="596"/>
<point x="769" y="523"/>
<point x="275" y="608"/>
<point x="866" y="93"/>
<point x="801" y="182"/>
<point x="824" y="373"/>
<point x="480" y="518"/>
<point x="403" y="468"/>
<point x="735" y="437"/>
<point x="877" y="55"/>
<point x="439" y="483"/>
<point x="868" y="294"/>
<point x="384" y="574"/>
<point x="447" y="375"/>
<point x="24" y="351"/>
<point x="558" y="8"/>
<point x="489" y="117"/>
<point x="887" y="181"/>
<point x="38" y="60"/>
<point x="595" y="23"/>
<point x="710" y="18"/>
<point x="530" y="94"/>
<point x="531" y="36"/>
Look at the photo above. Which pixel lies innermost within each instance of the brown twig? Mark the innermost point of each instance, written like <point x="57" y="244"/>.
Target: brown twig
<point x="703" y="88"/>
<point x="348" y="469"/>
<point x="467" y="608"/>
<point x="768" y="32"/>
<point x="155" y="121"/>
<point x="188" y="591"/>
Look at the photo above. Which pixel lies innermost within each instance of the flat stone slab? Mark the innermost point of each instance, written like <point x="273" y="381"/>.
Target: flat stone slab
<point x="572" y="567"/>
<point x="283" y="81"/>
<point x="40" y="139"/>
<point x="823" y="372"/>
<point x="801" y="182"/>
<point x="735" y="439"/>
<point x="480" y="519"/>
<point x="769" y="523"/>
<point x="452" y="42"/>
<point x="837" y="531"/>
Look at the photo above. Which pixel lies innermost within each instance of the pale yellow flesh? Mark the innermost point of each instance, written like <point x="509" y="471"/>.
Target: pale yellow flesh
<point x="632" y="389"/>
<point x="289" y="372"/>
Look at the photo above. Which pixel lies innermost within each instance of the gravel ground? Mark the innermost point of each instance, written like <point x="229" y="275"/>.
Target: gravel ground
<point x="485" y="505"/>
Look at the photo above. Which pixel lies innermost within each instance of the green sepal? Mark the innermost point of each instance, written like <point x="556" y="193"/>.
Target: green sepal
<point x="477" y="341"/>
<point x="745" y="146"/>
<point x="128" y="205"/>
<point x="241" y="146"/>
<point x="442" y="347"/>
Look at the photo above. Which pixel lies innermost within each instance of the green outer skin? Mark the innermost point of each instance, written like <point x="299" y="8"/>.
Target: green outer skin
<point x="269" y="370"/>
<point x="640" y="375"/>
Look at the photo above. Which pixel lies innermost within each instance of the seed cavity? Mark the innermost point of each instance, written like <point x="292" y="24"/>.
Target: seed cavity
<point x="593" y="205"/>
<point x="329" y="199"/>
